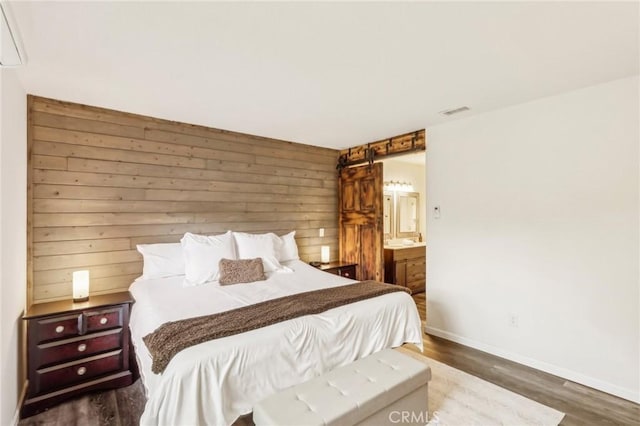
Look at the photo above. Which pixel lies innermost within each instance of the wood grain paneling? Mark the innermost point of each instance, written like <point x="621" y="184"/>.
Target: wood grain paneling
<point x="103" y="181"/>
<point x="360" y="220"/>
<point x="408" y="142"/>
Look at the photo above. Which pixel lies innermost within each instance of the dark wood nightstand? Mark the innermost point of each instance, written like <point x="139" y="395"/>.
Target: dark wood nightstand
<point x="344" y="269"/>
<point x="74" y="348"/>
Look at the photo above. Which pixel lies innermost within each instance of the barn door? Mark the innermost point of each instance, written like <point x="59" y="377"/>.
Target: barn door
<point x="361" y="233"/>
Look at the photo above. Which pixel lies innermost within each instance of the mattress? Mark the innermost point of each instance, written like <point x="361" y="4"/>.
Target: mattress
<point x="215" y="382"/>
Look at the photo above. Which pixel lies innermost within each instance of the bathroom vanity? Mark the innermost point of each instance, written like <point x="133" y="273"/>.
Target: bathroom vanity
<point x="406" y="266"/>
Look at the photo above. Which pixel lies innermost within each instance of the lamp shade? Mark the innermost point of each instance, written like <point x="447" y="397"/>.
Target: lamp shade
<point x="325" y="254"/>
<point x="80" y="286"/>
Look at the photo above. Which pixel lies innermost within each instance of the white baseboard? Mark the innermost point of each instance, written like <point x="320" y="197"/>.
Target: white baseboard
<point x="16" y="415"/>
<point x="574" y="376"/>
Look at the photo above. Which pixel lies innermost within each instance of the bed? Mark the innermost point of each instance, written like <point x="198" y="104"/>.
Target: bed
<point x="215" y="382"/>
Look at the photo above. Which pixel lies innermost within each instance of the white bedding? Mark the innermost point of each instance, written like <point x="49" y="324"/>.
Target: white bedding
<point x="215" y="382"/>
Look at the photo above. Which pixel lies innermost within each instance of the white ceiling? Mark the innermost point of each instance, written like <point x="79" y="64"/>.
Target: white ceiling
<point x="328" y="74"/>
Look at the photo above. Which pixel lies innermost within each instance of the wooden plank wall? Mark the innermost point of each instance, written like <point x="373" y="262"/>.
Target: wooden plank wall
<point x="103" y="181"/>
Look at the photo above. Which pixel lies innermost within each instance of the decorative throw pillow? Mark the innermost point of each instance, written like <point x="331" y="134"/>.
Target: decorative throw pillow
<point x="241" y="271"/>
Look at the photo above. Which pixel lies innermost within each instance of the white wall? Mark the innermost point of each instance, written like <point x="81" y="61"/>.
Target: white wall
<point x="13" y="231"/>
<point x="399" y="170"/>
<point x="2" y="417"/>
<point x="540" y="219"/>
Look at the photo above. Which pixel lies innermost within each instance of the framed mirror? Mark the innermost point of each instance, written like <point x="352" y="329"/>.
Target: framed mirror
<point x="387" y="211"/>
<point x="407" y="214"/>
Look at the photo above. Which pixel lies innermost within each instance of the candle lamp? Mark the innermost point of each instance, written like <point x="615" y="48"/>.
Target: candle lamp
<point x="325" y="254"/>
<point x="80" y="286"/>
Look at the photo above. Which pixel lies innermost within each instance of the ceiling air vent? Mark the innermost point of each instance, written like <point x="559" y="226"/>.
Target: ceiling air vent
<point x="449" y="112"/>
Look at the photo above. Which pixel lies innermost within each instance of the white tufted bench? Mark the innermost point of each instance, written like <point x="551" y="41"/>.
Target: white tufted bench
<point x="387" y="387"/>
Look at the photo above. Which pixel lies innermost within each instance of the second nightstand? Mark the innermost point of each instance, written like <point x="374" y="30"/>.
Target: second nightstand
<point x="76" y="347"/>
<point x="344" y="269"/>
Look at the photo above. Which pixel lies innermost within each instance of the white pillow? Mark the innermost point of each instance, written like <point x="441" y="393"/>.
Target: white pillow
<point x="250" y="246"/>
<point x="161" y="260"/>
<point x="202" y="255"/>
<point x="286" y="247"/>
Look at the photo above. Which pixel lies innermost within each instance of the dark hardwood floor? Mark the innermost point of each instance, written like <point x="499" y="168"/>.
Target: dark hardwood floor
<point x="120" y="407"/>
<point x="582" y="405"/>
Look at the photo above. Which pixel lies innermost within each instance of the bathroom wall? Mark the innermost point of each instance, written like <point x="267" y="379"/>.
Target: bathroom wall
<point x="410" y="168"/>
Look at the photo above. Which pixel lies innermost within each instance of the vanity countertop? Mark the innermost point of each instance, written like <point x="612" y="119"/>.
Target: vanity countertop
<point x="400" y="247"/>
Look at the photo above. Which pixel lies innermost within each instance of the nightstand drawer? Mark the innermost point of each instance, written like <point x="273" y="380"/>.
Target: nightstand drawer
<point x="79" y="347"/>
<point x="347" y="272"/>
<point x="103" y="320"/>
<point x="63" y="375"/>
<point x="55" y="328"/>
<point x="343" y="269"/>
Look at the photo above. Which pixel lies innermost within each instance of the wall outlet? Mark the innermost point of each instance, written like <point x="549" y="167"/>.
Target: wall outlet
<point x="321" y="232"/>
<point x="513" y="320"/>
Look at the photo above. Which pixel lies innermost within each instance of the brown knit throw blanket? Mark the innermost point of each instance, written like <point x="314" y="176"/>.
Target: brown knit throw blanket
<point x="172" y="337"/>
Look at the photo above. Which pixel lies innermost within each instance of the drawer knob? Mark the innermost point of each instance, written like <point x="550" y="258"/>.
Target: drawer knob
<point x="81" y="371"/>
<point x="103" y="320"/>
<point x="60" y="329"/>
<point x="82" y="347"/>
<point x="346" y="274"/>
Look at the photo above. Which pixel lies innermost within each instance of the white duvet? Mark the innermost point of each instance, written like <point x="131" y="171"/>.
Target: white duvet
<point x="215" y="382"/>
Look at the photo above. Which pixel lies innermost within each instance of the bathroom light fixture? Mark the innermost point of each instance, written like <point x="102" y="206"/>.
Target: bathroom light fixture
<point x="398" y="186"/>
